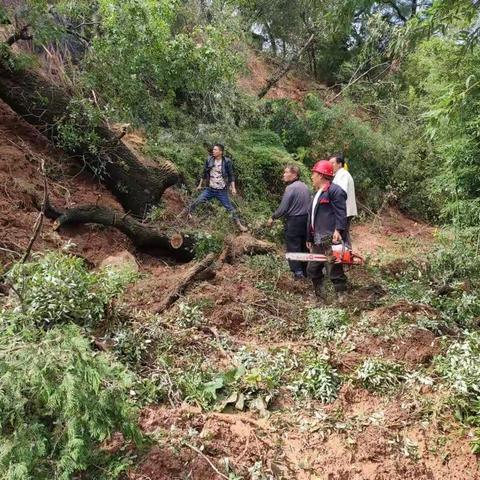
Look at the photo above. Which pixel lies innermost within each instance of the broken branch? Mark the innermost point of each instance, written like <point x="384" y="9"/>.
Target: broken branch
<point x="39" y="221"/>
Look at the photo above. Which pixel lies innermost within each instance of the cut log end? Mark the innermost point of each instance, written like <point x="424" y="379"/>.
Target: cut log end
<point x="176" y="240"/>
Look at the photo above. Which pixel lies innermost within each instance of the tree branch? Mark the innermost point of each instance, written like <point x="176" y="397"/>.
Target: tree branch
<point x="399" y="13"/>
<point x="41" y="215"/>
<point x="283" y="71"/>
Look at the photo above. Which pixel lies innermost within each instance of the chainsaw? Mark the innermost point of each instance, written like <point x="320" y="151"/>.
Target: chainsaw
<point x="340" y="254"/>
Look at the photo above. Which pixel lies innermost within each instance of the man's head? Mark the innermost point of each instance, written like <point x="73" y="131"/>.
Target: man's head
<point x="291" y="173"/>
<point x="217" y="150"/>
<point x="337" y="162"/>
<point x="322" y="173"/>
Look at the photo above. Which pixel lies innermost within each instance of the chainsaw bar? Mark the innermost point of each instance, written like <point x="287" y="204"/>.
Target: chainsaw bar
<point x="306" y="257"/>
<point x="352" y="258"/>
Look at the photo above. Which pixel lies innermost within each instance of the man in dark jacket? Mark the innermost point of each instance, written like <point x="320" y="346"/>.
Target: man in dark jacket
<point x="327" y="220"/>
<point x="218" y="177"/>
<point x="294" y="210"/>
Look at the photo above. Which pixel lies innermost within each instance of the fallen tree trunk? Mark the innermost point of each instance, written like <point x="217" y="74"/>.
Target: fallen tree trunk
<point x="192" y="274"/>
<point x="145" y="237"/>
<point x="41" y="103"/>
<point x="149" y="238"/>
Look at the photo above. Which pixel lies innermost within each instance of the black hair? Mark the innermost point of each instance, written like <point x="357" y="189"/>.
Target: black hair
<point x="339" y="158"/>
<point x="294" y="169"/>
<point x="220" y="146"/>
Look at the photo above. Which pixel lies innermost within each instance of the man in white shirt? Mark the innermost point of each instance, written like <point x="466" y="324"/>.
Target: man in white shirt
<point x="344" y="179"/>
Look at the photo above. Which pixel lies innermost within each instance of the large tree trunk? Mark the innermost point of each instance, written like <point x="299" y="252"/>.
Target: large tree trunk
<point x="146" y="237"/>
<point x="149" y="238"/>
<point x="136" y="185"/>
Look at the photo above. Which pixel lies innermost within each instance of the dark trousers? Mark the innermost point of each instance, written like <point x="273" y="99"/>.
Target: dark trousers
<point x="212" y="193"/>
<point x="346" y="234"/>
<point x="334" y="272"/>
<point x="296" y="241"/>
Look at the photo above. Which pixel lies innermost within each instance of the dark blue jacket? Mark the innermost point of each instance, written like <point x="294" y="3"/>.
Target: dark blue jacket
<point x="227" y="170"/>
<point x="330" y="214"/>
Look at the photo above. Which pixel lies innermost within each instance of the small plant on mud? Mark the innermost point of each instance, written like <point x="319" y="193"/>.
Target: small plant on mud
<point x="189" y="315"/>
<point x="319" y="380"/>
<point x="269" y="269"/>
<point x="379" y="375"/>
<point x="459" y="367"/>
<point x="264" y="372"/>
<point x="328" y="323"/>
<point x="208" y="243"/>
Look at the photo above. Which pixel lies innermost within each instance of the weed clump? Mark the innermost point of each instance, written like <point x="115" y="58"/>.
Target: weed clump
<point x="189" y="315"/>
<point x="378" y="375"/>
<point x="459" y="367"/>
<point x="319" y="380"/>
<point x="328" y="323"/>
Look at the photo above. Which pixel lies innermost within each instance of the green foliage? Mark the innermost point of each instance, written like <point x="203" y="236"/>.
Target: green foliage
<point x="290" y="127"/>
<point x="59" y="289"/>
<point x="269" y="267"/>
<point x="319" y="380"/>
<point x="58" y="401"/>
<point x="77" y="130"/>
<point x="459" y="369"/>
<point x="264" y="371"/>
<point x="189" y="315"/>
<point x="328" y="323"/>
<point x="208" y="243"/>
<point x="147" y="69"/>
<point x="459" y="366"/>
<point x="380" y="375"/>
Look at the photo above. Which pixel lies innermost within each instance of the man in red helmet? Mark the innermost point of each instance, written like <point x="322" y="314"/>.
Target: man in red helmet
<point x="327" y="221"/>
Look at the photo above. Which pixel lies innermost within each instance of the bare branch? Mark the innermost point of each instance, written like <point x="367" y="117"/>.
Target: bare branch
<point x="399" y="13"/>
<point x="284" y="70"/>
<point x="41" y="215"/>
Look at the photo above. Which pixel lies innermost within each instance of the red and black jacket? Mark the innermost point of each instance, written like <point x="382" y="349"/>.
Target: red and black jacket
<point x="330" y="214"/>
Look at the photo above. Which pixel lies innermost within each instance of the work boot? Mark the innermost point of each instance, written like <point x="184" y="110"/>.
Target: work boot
<point x="320" y="293"/>
<point x="341" y="298"/>
<point x="240" y="226"/>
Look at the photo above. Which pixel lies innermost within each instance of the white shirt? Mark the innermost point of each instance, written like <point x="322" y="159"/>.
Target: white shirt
<point x="216" y="179"/>
<point x="344" y="179"/>
<point x="315" y="201"/>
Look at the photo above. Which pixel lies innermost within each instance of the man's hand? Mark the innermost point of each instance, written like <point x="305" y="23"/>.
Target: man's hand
<point x="270" y="222"/>
<point x="337" y="238"/>
<point x="199" y="187"/>
<point x="234" y="191"/>
<point x="309" y="246"/>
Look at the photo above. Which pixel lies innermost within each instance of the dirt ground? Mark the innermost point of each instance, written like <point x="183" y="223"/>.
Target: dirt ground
<point x="360" y="436"/>
<point x="259" y="71"/>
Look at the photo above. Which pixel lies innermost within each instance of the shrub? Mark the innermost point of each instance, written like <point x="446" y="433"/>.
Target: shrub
<point x="328" y="323"/>
<point x="319" y="380"/>
<point x="189" y="315"/>
<point x="58" y="288"/>
<point x="58" y="401"/>
<point x="459" y="369"/>
<point x="380" y="375"/>
<point x="459" y="366"/>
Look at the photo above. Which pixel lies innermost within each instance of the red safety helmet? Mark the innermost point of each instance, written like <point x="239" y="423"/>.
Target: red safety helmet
<point x="324" y="167"/>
